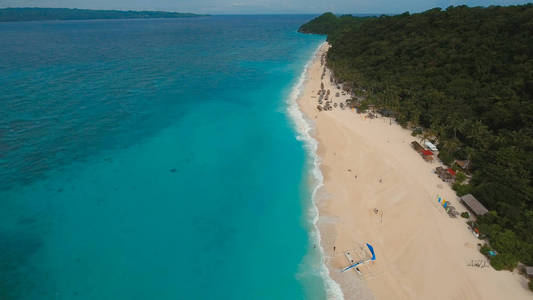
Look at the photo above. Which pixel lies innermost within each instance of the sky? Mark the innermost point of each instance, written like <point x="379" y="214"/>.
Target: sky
<point x="261" y="6"/>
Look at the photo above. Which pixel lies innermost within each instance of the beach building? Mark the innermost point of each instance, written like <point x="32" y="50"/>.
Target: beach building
<point x="430" y="146"/>
<point x="463" y="164"/>
<point x="426" y="154"/>
<point x="386" y="112"/>
<point x="446" y="174"/>
<point x="529" y="271"/>
<point x="474" y="205"/>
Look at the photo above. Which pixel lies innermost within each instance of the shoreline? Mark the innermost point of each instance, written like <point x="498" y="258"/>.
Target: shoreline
<point x="376" y="189"/>
<point x="304" y="133"/>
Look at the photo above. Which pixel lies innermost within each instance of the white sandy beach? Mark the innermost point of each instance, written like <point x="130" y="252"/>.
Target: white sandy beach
<point x="422" y="253"/>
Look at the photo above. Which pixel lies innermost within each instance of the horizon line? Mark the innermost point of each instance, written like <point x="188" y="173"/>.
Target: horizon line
<point x="214" y="14"/>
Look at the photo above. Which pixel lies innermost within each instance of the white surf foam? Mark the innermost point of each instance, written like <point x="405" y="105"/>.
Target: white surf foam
<point x="303" y="130"/>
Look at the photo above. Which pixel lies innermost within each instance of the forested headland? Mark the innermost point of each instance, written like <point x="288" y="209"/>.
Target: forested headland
<point x="465" y="76"/>
<point x="42" y="14"/>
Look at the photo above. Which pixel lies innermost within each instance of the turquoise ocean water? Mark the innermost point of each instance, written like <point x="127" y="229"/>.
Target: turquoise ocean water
<point x="155" y="159"/>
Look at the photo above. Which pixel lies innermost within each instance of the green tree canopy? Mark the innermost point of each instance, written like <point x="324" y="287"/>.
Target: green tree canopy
<point x="467" y="75"/>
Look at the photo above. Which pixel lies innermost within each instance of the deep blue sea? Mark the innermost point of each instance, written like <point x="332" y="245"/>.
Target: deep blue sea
<point x="154" y="159"/>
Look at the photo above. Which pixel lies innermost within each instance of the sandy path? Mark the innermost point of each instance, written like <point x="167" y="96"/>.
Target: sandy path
<point x="421" y="252"/>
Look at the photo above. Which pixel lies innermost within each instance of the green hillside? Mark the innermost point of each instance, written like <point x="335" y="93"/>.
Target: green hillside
<point x="42" y="14"/>
<point x="466" y="76"/>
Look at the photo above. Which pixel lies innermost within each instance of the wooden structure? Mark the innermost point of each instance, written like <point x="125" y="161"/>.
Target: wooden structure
<point x="529" y="271"/>
<point x="447" y="175"/>
<point x="426" y="154"/>
<point x="474" y="205"/>
<point x="418" y="148"/>
<point x="463" y="164"/>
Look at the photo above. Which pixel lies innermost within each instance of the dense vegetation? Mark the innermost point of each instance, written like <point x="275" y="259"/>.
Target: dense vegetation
<point x="323" y="24"/>
<point x="466" y="76"/>
<point x="328" y="23"/>
<point x="41" y="14"/>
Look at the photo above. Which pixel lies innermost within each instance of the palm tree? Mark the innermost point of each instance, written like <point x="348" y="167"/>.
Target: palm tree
<point x="478" y="135"/>
<point x="455" y="123"/>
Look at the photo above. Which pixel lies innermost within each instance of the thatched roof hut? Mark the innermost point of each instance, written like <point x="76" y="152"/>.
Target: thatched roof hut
<point x="463" y="164"/>
<point x="474" y="205"/>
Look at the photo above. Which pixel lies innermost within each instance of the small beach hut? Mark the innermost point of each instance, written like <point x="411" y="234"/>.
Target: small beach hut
<point x="463" y="164"/>
<point x="474" y="205"/>
<point x="529" y="271"/>
<point x="447" y="175"/>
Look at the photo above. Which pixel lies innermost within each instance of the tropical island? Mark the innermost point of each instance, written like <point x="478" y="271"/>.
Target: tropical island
<point x="461" y="78"/>
<point x="43" y="14"/>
